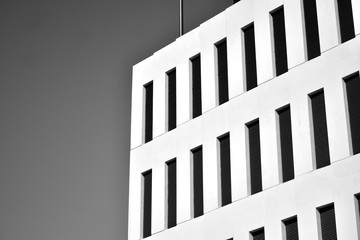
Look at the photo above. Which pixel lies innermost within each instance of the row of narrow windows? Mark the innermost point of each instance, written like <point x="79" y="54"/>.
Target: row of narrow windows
<point x="326" y="220"/>
<point x="347" y="32"/>
<point x="321" y="150"/>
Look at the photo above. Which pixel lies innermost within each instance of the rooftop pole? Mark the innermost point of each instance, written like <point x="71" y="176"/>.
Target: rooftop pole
<point x="181" y="32"/>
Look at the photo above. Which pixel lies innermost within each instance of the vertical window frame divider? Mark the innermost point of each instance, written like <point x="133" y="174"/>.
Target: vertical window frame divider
<point x="346" y="102"/>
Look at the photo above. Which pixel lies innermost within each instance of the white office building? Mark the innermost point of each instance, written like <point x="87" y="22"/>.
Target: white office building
<point x="248" y="127"/>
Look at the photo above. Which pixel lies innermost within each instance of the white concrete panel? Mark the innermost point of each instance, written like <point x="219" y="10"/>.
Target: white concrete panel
<point x="328" y="24"/>
<point x="345" y="211"/>
<point x="270" y="162"/>
<point x="158" y="203"/>
<point x="238" y="163"/>
<point x="183" y="94"/>
<point x="211" y="32"/>
<point x="356" y="14"/>
<point x="183" y="187"/>
<point x="295" y="32"/>
<point x="302" y="140"/>
<point x="134" y="220"/>
<point x="210" y="174"/>
<point x="307" y="223"/>
<point x="159" y="105"/>
<point x="234" y="24"/>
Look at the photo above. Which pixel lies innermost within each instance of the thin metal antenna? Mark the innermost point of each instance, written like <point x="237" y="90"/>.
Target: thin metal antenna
<point x="181" y="32"/>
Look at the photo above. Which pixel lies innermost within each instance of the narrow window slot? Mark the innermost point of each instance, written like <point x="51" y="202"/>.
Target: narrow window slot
<point x="223" y="91"/>
<point x="171" y="193"/>
<point x="148" y="112"/>
<point x="278" y="21"/>
<point x="312" y="29"/>
<point x="225" y="169"/>
<point x="197" y="167"/>
<point x="258" y="234"/>
<point x="254" y="156"/>
<point x="146" y="203"/>
<point x="352" y="84"/>
<point x="287" y="159"/>
<point x="171" y="99"/>
<point x="319" y="125"/>
<point x="346" y="20"/>
<point x="291" y="229"/>
<point x="327" y="222"/>
<point x="196" y="86"/>
<point x="250" y="57"/>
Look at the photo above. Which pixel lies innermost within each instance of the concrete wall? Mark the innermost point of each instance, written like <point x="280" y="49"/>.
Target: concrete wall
<point x="310" y="189"/>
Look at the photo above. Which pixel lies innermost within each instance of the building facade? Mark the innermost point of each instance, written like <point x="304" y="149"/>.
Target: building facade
<point x="248" y="127"/>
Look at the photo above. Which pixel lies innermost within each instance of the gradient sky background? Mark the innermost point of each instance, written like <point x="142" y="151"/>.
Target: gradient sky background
<point x="65" y="88"/>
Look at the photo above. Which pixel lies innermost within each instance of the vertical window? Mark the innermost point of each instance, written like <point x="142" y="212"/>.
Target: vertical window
<point x="223" y="92"/>
<point x="311" y="29"/>
<point x="258" y="234"/>
<point x="357" y="208"/>
<point x="291" y="229"/>
<point x="196" y="86"/>
<point x="286" y="148"/>
<point x="197" y="181"/>
<point x="352" y="84"/>
<point x="346" y="20"/>
<point x="327" y="222"/>
<point x="254" y="156"/>
<point x="171" y="193"/>
<point x="148" y="111"/>
<point x="250" y="57"/>
<point x="278" y="23"/>
<point x="146" y="203"/>
<point x="171" y="80"/>
<point x="319" y="127"/>
<point x="225" y="172"/>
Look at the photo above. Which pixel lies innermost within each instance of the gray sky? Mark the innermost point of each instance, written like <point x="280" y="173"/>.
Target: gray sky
<point x="65" y="88"/>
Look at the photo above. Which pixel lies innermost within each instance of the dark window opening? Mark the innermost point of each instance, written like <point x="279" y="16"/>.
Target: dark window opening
<point x="319" y="125"/>
<point x="352" y="84"/>
<point x="291" y="229"/>
<point x="148" y="112"/>
<point x="346" y="20"/>
<point x="198" y="197"/>
<point x="171" y="193"/>
<point x="357" y="207"/>
<point x="258" y="234"/>
<point x="287" y="159"/>
<point x="281" y="64"/>
<point x="223" y="90"/>
<point x="250" y="57"/>
<point x="225" y="170"/>
<point x="255" y="156"/>
<point x="312" y="29"/>
<point x="327" y="222"/>
<point x="171" y="99"/>
<point x="147" y="185"/>
<point x="196" y="86"/>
